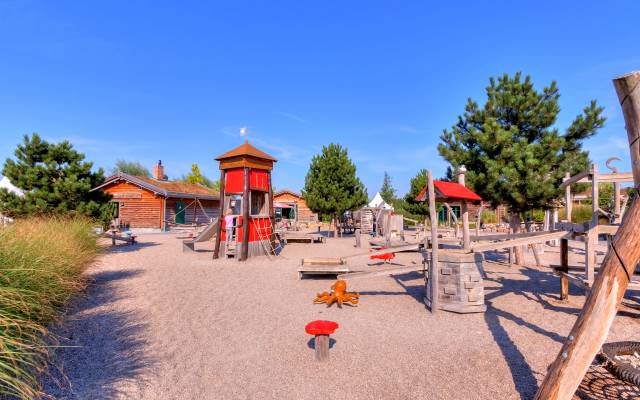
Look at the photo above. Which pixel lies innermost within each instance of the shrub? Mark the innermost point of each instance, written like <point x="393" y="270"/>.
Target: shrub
<point x="579" y="213"/>
<point x="41" y="265"/>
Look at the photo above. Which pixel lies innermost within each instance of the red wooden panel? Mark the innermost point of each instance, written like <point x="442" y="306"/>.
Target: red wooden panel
<point x="259" y="179"/>
<point x="234" y="181"/>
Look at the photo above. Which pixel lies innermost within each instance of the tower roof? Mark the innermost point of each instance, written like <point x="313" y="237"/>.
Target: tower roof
<point x="246" y="149"/>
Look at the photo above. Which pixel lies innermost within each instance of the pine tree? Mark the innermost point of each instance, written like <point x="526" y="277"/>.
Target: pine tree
<point x="131" y="168"/>
<point x="55" y="179"/>
<point x="331" y="185"/>
<point x="513" y="154"/>
<point x="387" y="192"/>
<point x="412" y="205"/>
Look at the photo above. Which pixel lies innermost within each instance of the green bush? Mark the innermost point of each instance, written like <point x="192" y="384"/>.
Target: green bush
<point x="41" y="265"/>
<point x="489" y="217"/>
<point x="579" y="213"/>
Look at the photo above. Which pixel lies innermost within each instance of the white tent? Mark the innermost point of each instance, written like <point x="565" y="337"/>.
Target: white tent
<point x="6" y="183"/>
<point x="377" y="200"/>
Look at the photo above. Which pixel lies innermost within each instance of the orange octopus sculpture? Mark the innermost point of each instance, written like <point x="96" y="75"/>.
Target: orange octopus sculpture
<point x="338" y="295"/>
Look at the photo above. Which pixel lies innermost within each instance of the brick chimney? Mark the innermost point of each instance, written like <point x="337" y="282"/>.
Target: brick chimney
<point x="158" y="171"/>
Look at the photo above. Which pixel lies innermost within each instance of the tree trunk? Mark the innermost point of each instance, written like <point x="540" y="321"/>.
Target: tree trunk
<point x="515" y="227"/>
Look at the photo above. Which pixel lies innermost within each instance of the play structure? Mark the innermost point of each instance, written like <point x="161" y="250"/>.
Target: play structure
<point x="246" y="190"/>
<point x="603" y="300"/>
<point x="338" y="295"/>
<point x="321" y="330"/>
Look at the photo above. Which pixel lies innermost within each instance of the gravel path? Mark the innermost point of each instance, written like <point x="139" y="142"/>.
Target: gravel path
<point x="157" y="323"/>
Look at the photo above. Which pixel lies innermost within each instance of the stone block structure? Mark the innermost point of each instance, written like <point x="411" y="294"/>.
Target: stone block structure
<point x="461" y="288"/>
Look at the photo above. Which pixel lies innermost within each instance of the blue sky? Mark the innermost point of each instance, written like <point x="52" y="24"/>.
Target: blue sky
<point x="148" y="80"/>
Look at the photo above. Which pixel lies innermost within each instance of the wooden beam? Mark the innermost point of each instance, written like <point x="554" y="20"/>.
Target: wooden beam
<point x="245" y="216"/>
<point x="433" y="283"/>
<point x="568" y="205"/>
<point x="618" y="177"/>
<point x="628" y="91"/>
<point x="592" y="233"/>
<point x="392" y="249"/>
<point x="570" y="180"/>
<point x="504" y="236"/>
<point x="477" y="248"/>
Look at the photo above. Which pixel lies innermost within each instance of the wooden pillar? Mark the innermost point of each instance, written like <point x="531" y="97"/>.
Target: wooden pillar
<point x="592" y="233"/>
<point x="616" y="202"/>
<point x="628" y="90"/>
<point x="272" y="216"/>
<point x="464" y="209"/>
<point x="216" y="249"/>
<point x="568" y="205"/>
<point x="564" y="268"/>
<point x="321" y="346"/>
<point x="479" y="219"/>
<point x="245" y="216"/>
<point x="434" y="270"/>
<point x="592" y="327"/>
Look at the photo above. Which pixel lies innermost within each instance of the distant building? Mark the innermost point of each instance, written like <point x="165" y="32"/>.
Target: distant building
<point x="142" y="203"/>
<point x="289" y="204"/>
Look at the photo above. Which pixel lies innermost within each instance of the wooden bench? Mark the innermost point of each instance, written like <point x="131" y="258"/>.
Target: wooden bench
<point x="303" y="237"/>
<point x="322" y="266"/>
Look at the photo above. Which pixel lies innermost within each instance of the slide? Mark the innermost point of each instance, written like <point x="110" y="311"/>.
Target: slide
<point x="206" y="234"/>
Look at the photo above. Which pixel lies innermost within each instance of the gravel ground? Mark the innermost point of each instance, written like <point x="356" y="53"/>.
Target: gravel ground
<point x="157" y="323"/>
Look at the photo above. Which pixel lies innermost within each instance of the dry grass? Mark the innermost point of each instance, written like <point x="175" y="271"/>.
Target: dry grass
<point x="41" y="265"/>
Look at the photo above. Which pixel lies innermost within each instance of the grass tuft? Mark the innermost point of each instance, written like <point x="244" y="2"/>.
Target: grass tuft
<point x="41" y="265"/>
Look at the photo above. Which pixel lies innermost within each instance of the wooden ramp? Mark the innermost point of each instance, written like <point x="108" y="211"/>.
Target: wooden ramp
<point x="300" y="237"/>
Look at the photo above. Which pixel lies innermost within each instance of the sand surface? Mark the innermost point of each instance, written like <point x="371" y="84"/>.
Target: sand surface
<point x="157" y="323"/>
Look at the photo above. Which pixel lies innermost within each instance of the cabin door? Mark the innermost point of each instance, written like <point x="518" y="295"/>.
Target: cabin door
<point x="180" y="212"/>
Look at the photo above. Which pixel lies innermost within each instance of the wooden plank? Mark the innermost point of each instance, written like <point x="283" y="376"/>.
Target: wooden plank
<point x="392" y="249"/>
<point x="385" y="272"/>
<point x="322" y="261"/>
<point x="517" y="242"/>
<point x="504" y="236"/>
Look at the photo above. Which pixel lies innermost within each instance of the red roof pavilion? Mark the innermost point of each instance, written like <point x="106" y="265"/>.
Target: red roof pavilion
<point x="448" y="191"/>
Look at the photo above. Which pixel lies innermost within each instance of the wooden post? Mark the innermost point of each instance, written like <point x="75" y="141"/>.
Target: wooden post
<point x="466" y="238"/>
<point x="568" y="205"/>
<point x="592" y="233"/>
<point x="479" y="219"/>
<point x="564" y="267"/>
<point x="322" y="347"/>
<point x="357" y="236"/>
<point x="216" y="249"/>
<point x="592" y="327"/>
<point x="245" y="216"/>
<point x="434" y="270"/>
<point x="628" y="90"/>
<point x="272" y="216"/>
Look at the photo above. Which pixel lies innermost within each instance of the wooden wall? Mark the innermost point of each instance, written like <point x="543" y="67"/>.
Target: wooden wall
<point x="305" y="214"/>
<point x="193" y="213"/>
<point x="139" y="208"/>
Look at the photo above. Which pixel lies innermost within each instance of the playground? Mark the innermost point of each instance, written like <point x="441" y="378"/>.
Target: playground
<point x="161" y="323"/>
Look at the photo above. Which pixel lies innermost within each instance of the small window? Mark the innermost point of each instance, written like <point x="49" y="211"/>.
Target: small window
<point x="235" y="204"/>
<point x="259" y="203"/>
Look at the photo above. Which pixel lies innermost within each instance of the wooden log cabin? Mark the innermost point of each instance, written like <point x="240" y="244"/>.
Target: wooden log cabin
<point x="291" y="205"/>
<point x="158" y="204"/>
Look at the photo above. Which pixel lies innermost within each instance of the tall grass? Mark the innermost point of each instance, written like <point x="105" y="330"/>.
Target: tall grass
<point x="41" y="265"/>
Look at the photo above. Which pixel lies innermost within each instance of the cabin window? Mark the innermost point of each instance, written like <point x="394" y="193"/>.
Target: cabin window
<point x="259" y="203"/>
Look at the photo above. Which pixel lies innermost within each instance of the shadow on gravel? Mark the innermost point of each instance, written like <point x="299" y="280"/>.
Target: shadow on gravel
<point x="312" y="343"/>
<point x="128" y="248"/>
<point x="99" y="347"/>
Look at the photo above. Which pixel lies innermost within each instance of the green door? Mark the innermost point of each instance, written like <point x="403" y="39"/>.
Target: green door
<point x="180" y="212"/>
